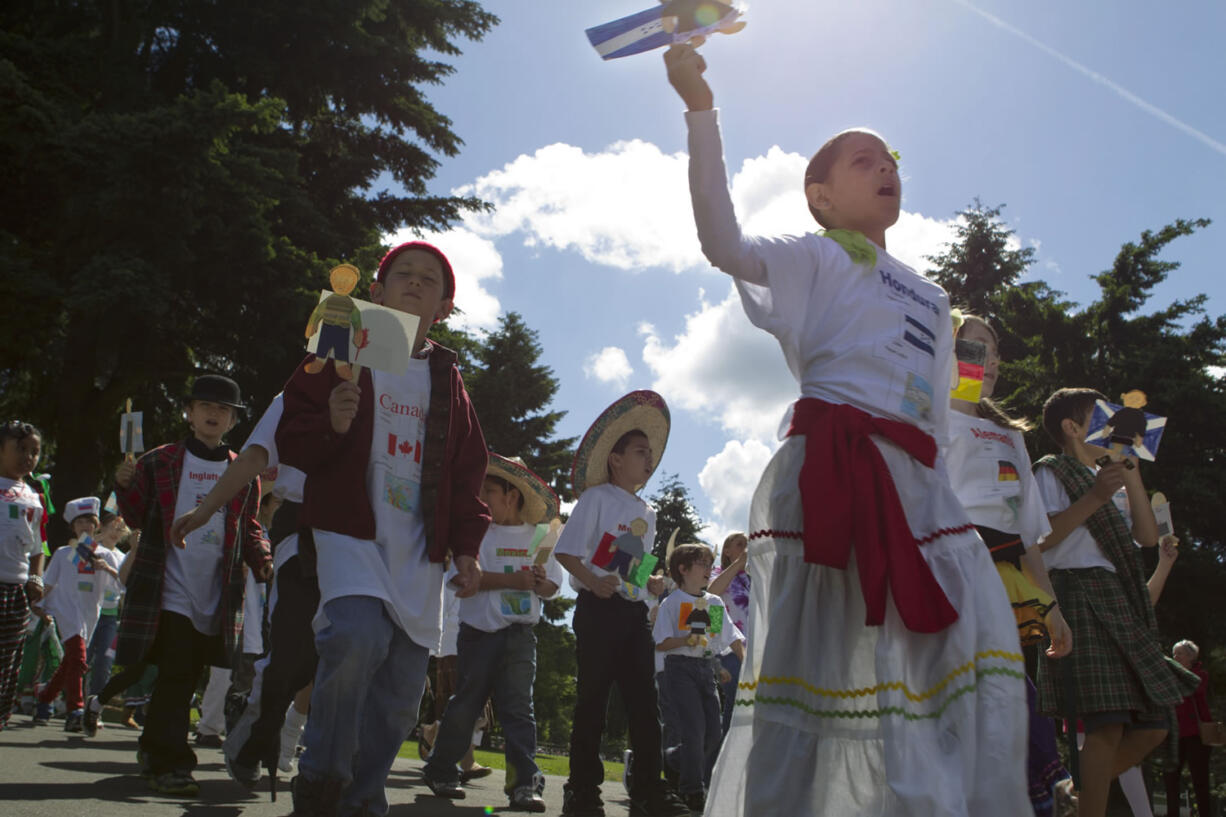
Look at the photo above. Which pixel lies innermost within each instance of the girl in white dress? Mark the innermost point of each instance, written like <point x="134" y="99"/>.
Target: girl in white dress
<point x="883" y="675"/>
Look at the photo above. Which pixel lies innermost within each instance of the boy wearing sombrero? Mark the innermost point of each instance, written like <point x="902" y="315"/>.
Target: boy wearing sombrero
<point x="603" y="547"/>
<point x="184" y="606"/>
<point x="496" y="646"/>
<point x="394" y="464"/>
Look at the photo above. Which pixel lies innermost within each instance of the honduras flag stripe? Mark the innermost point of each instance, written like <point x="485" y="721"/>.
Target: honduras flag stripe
<point x="629" y="35"/>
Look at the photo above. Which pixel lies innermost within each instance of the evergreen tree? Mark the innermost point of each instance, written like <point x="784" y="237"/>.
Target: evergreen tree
<point x="180" y="177"/>
<point x="512" y="390"/>
<point x="979" y="264"/>
<point x="675" y="511"/>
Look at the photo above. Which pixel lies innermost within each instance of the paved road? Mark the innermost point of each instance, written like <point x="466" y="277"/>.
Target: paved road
<point x="47" y="773"/>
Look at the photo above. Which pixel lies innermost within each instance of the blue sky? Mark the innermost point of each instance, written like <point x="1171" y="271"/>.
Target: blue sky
<point x="1092" y="121"/>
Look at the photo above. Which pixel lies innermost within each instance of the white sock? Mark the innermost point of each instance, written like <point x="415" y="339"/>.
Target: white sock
<point x="295" y="722"/>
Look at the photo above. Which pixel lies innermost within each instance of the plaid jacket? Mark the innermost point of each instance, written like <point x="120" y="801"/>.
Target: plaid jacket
<point x="1117" y="660"/>
<point x="148" y="503"/>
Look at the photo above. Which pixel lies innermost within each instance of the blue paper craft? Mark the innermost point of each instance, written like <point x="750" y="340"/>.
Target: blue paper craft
<point x="675" y="21"/>
<point x="1150" y="439"/>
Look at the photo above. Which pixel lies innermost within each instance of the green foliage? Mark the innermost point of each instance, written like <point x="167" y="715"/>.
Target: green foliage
<point x="511" y="390"/>
<point x="180" y="178"/>
<point x="1119" y="342"/>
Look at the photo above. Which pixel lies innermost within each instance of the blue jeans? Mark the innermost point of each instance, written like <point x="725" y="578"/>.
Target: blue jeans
<point x="99" y="657"/>
<point x="368" y="684"/>
<point x="694" y="705"/>
<point x="499" y="665"/>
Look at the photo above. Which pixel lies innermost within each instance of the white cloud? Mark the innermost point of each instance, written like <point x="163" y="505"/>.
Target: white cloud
<point x="728" y="479"/>
<point x="627" y="206"/>
<point x="475" y="261"/>
<point x="609" y="365"/>
<point x="721" y="366"/>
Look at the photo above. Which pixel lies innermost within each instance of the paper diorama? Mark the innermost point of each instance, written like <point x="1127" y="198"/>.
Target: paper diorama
<point x="356" y="333"/>
<point x="544" y="540"/>
<point x="131" y="437"/>
<point x="672" y="22"/>
<point x="624" y="555"/>
<point x="1162" y="513"/>
<point x="1126" y="430"/>
<point x="971" y="356"/>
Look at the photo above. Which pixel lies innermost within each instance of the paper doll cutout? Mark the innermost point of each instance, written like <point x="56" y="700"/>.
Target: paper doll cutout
<point x="131" y="435"/>
<point x="1162" y="514"/>
<point x="1118" y="428"/>
<point x="384" y="342"/>
<point x="672" y="22"/>
<point x="698" y="620"/>
<point x="971" y="356"/>
<point x="544" y="541"/>
<point x="336" y="317"/>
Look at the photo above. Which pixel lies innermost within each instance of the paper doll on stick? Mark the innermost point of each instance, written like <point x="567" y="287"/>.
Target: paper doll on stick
<point x="339" y="316"/>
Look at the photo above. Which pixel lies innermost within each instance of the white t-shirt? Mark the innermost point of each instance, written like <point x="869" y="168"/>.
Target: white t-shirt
<point x="878" y="339"/>
<point x="507" y="549"/>
<point x="395" y="566"/>
<point x="1078" y="548"/>
<point x="989" y="469"/>
<point x="610" y="529"/>
<point x="21" y="516"/>
<point x="290" y="480"/>
<point x="684" y="614"/>
<point x="75" y="597"/>
<point x="193" y="573"/>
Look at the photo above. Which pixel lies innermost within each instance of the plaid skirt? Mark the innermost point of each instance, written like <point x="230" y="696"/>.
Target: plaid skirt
<point x="1117" y="662"/>
<point x="14" y="618"/>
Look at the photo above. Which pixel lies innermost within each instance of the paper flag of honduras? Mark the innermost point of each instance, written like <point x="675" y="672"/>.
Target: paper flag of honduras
<point x="647" y="29"/>
<point x="1150" y="438"/>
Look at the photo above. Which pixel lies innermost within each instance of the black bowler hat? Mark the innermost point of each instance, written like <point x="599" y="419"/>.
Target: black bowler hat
<point x="215" y="388"/>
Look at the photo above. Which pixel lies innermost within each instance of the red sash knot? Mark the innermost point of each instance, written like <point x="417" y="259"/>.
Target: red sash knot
<point x="849" y="498"/>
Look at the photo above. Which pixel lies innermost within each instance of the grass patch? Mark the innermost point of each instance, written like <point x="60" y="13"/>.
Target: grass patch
<point x="554" y="765"/>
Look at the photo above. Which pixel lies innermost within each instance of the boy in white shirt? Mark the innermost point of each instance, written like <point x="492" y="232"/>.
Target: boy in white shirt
<point x="603" y="547"/>
<point x="691" y="628"/>
<point x="79" y="576"/>
<point x="496" y="645"/>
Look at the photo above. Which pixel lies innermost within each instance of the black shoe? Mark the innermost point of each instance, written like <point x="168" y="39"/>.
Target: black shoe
<point x="658" y="801"/>
<point x="208" y="741"/>
<point x="582" y="802"/>
<point x="696" y="802"/>
<point x="525" y="799"/>
<point x="450" y="789"/>
<point x="315" y="797"/>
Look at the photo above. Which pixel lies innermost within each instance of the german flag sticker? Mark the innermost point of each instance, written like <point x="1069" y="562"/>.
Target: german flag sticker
<point x="1006" y="471"/>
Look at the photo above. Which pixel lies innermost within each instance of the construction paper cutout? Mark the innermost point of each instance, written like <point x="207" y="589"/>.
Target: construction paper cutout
<point x="971" y="356"/>
<point x="1127" y="437"/>
<point x="621" y="554"/>
<point x="696" y="617"/>
<point x="131" y="434"/>
<point x="384" y="342"/>
<point x="85" y="549"/>
<point x="1162" y="514"/>
<point x="544" y="541"/>
<point x="642" y="571"/>
<point x="675" y="21"/>
<point x="717" y="619"/>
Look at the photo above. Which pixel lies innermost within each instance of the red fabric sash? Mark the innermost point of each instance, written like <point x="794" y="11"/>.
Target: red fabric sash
<point x="849" y="498"/>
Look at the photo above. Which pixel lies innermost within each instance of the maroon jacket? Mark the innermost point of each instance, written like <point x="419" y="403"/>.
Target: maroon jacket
<point x="1194" y="708"/>
<point x="335" y="496"/>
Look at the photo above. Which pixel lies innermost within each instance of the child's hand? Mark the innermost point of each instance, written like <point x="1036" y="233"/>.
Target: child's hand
<point x="1061" y="635"/>
<point x="1110" y="479"/>
<point x="34" y="592"/>
<point x="343" y="406"/>
<point x="522" y="580"/>
<point x="1168" y="548"/>
<point x="605" y="586"/>
<point x="468" y="573"/>
<point x="656" y="585"/>
<point x="685" y="68"/>
<point x="124" y="474"/>
<point x="724" y="675"/>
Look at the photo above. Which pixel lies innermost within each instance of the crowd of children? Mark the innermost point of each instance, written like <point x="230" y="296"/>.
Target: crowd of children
<point x="865" y="637"/>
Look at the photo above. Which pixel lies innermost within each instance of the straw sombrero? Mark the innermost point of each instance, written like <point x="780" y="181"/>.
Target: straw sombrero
<point x="643" y="410"/>
<point x="540" y="502"/>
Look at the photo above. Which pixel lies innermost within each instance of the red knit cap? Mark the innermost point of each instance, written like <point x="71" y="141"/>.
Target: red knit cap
<point x="449" y="283"/>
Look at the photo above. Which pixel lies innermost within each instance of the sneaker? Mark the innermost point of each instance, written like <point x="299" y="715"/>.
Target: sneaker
<point x="658" y="801"/>
<point x="177" y="783"/>
<point x="475" y="773"/>
<point x="449" y="789"/>
<point x="582" y="803"/>
<point x="42" y="714"/>
<point x="696" y="802"/>
<point x="206" y="741"/>
<point x="93" y="711"/>
<point x="74" y="721"/>
<point x="525" y="799"/>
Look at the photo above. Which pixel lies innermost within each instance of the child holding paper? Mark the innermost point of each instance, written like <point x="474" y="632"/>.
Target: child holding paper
<point x="613" y="641"/>
<point x="891" y="682"/>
